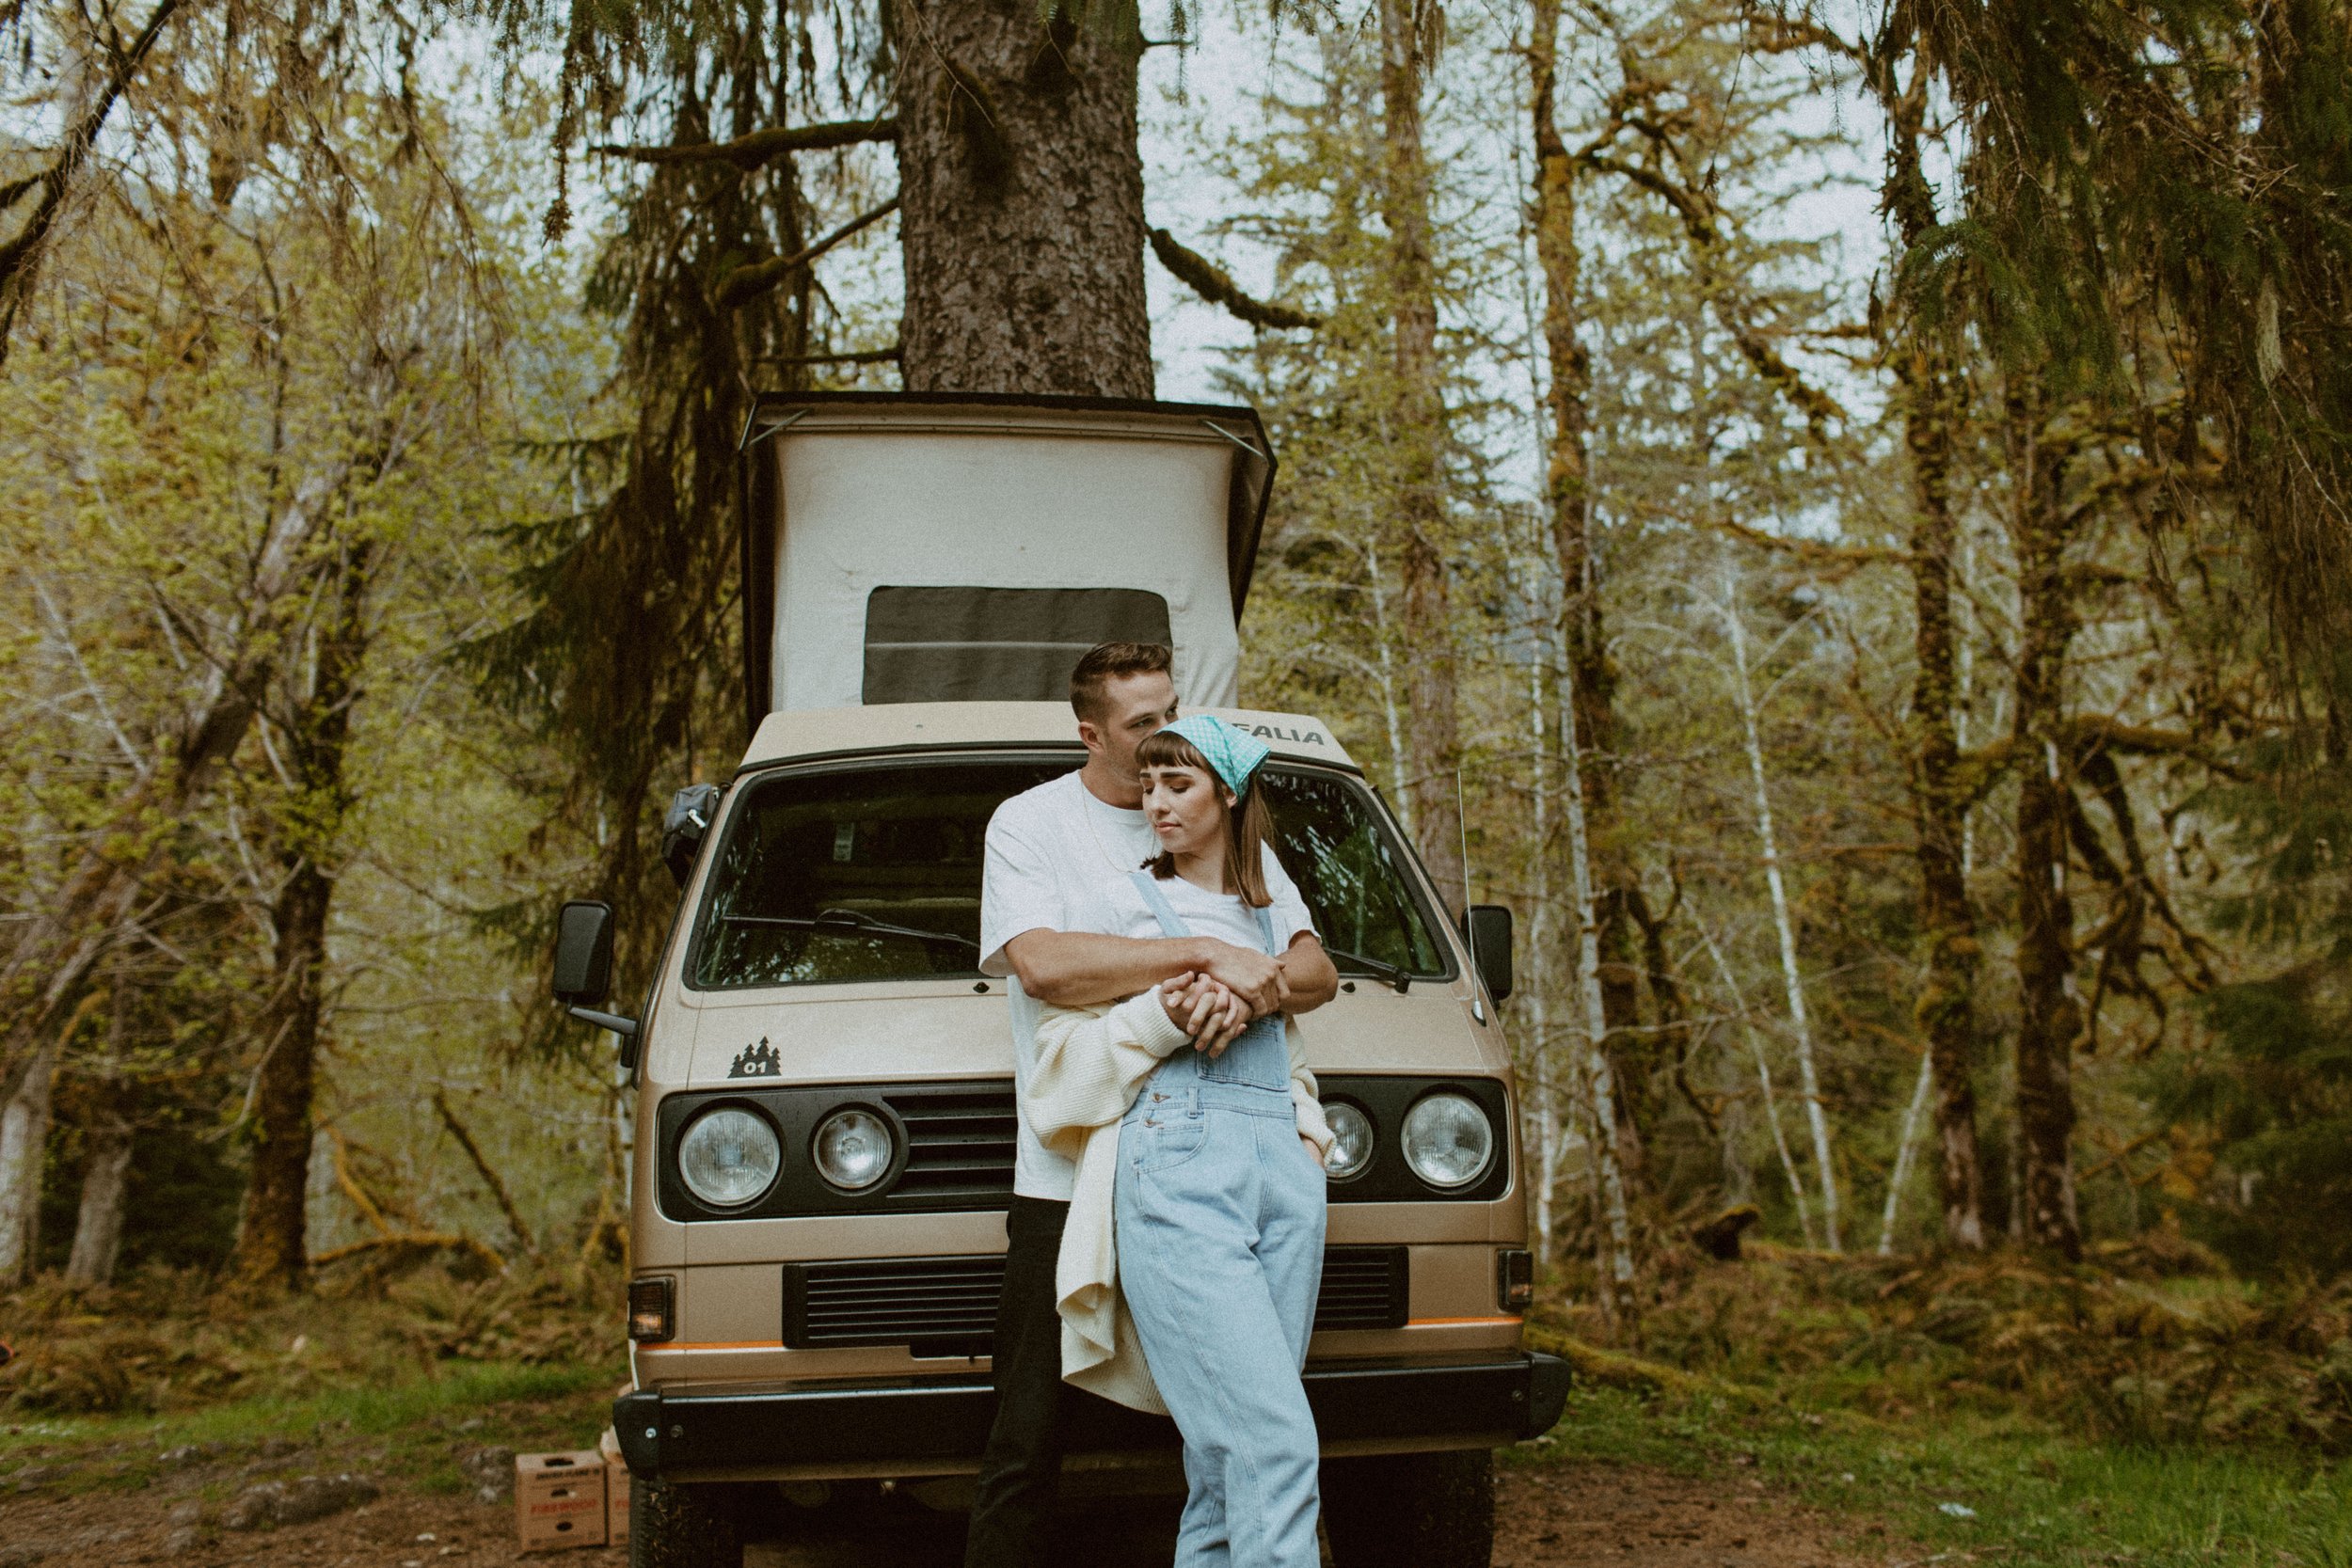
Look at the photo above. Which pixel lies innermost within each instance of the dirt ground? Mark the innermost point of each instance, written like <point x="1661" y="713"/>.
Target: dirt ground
<point x="1565" y="1513"/>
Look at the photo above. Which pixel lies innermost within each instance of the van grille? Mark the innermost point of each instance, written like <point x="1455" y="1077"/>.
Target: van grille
<point x="959" y="1145"/>
<point x="1364" y="1287"/>
<point x="948" y="1305"/>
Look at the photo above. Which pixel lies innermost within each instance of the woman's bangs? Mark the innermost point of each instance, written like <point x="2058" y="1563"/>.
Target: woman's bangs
<point x="1162" y="749"/>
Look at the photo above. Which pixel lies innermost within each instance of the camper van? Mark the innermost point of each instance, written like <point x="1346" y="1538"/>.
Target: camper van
<point x="823" y="1075"/>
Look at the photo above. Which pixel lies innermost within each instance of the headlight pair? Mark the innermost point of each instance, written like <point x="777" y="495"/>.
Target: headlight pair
<point x="1448" y="1140"/>
<point x="729" y="1156"/>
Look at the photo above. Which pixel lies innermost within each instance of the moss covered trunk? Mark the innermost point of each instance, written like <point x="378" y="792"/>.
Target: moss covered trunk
<point x="1021" y="193"/>
<point x="2050" y="1019"/>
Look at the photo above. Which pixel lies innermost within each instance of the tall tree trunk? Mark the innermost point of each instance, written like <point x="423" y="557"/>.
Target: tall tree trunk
<point x="105" y="1177"/>
<point x="1903" y="1145"/>
<point x="1616" y="1231"/>
<point x="271" y="1251"/>
<point x="1763" y="1080"/>
<point x="1931" y="409"/>
<point x="1583" y="646"/>
<point x="107" y="1136"/>
<point x="1783" y="924"/>
<point x="2050" y="1019"/>
<point x="1543" y="1113"/>
<point x="23" y="1148"/>
<point x="1418" y="441"/>
<point x="1020" y="202"/>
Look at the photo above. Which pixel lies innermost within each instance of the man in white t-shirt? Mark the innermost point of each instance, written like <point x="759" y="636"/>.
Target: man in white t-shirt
<point x="1050" y="851"/>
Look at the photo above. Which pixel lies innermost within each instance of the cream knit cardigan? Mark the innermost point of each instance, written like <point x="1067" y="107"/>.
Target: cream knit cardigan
<point x="1090" y="1063"/>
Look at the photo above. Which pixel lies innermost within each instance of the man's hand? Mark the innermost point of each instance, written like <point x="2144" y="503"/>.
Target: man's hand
<point x="1254" y="978"/>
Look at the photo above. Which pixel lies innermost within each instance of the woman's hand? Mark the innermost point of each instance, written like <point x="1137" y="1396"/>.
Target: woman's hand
<point x="1313" y="1152"/>
<point x="1208" y="1013"/>
<point x="1192" y="1002"/>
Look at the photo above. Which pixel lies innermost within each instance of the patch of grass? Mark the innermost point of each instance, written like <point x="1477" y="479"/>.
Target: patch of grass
<point x="1988" y="1489"/>
<point x="410" y="1427"/>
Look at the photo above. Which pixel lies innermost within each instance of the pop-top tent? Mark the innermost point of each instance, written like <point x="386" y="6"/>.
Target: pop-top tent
<point x="909" y="548"/>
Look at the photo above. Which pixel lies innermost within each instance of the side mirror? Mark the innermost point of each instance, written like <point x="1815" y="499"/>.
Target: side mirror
<point x="584" y="952"/>
<point x="1487" y="929"/>
<point x="684" y="826"/>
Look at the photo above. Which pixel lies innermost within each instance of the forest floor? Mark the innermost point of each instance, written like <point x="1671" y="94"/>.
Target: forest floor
<point x="1642" y="1481"/>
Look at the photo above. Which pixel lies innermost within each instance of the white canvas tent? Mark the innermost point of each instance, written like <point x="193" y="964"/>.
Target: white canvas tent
<point x="925" y="548"/>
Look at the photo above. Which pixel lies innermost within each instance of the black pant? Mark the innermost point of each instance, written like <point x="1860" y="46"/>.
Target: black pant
<point x="1012" y="1511"/>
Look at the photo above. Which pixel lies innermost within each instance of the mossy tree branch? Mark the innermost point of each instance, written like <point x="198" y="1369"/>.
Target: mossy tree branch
<point x="761" y="148"/>
<point x="1215" y="285"/>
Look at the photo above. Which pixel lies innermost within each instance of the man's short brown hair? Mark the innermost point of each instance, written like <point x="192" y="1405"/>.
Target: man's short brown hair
<point x="1107" y="660"/>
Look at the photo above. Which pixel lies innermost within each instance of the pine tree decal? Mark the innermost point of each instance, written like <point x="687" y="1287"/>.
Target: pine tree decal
<point x="757" y="1061"/>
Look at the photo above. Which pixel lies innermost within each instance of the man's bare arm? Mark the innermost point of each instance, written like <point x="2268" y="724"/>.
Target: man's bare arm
<point x="1308" y="968"/>
<point x="1080" y="969"/>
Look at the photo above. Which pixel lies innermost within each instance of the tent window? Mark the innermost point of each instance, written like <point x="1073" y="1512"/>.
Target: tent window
<point x="995" y="645"/>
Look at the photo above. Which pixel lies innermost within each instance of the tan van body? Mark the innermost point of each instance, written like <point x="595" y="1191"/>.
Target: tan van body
<point x="846" y="1339"/>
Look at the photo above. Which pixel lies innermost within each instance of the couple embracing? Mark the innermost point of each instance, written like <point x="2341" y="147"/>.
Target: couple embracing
<point x="1166" y="1235"/>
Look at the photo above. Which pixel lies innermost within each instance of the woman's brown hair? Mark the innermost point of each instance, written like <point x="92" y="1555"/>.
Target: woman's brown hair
<point x="1247" y="825"/>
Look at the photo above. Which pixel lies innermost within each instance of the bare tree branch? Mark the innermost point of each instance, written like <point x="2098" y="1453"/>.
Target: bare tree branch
<point x="19" y="253"/>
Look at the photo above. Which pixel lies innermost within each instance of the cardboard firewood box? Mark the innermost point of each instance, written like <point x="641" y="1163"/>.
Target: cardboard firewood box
<point x="558" y="1499"/>
<point x="615" y="1488"/>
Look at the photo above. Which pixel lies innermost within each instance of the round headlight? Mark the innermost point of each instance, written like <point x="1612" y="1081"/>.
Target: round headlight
<point x="1351" y="1140"/>
<point x="853" y="1150"/>
<point x="728" y="1156"/>
<point x="1448" y="1141"/>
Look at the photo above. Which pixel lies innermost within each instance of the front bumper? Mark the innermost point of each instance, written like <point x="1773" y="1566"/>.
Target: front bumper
<point x="937" y="1425"/>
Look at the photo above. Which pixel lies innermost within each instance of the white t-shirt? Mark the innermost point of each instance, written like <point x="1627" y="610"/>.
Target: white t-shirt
<point x="1053" y="853"/>
<point x="1115" y="908"/>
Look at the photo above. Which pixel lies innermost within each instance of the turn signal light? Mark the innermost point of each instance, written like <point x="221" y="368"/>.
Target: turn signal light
<point x="649" y="1311"/>
<point x="1515" y="1280"/>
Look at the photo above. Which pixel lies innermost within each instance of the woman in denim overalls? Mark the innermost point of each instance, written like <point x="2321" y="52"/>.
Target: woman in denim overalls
<point x="1219" y="1200"/>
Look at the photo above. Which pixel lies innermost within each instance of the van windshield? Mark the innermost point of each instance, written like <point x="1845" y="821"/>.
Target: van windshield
<point x="873" y="873"/>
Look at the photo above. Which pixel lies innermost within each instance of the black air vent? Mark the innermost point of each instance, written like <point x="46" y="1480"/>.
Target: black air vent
<point x="959" y="1145"/>
<point x="1364" y="1287"/>
<point x="948" y="1305"/>
<point x="892" y="1301"/>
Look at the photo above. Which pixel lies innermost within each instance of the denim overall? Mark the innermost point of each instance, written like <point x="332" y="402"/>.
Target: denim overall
<point x="1220" y="1218"/>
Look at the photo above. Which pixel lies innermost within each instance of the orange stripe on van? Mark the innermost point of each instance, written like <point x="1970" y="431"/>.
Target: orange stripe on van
<point x="720" y="1344"/>
<point x="1458" y="1323"/>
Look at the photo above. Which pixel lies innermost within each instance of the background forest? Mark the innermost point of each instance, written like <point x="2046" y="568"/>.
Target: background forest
<point x="1838" y="516"/>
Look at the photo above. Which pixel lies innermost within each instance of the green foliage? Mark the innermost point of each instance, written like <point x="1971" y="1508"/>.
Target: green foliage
<point x="1977" y="1487"/>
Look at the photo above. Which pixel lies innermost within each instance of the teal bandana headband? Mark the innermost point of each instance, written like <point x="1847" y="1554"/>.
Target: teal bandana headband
<point x="1234" y="753"/>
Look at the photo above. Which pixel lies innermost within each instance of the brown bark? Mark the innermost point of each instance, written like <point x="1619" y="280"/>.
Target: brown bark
<point x="271" y="1251"/>
<point x="1022" y="202"/>
<point x="2050" y="1020"/>
<point x="1945" y="1008"/>
<point x="1583" y="642"/>
<point x="1417" y="437"/>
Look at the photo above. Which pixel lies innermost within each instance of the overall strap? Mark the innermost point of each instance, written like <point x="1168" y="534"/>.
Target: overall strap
<point x="1265" y="929"/>
<point x="1158" y="903"/>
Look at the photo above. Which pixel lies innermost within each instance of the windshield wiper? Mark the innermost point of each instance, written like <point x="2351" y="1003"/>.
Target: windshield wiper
<point x="1344" y="961"/>
<point x="852" y="920"/>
